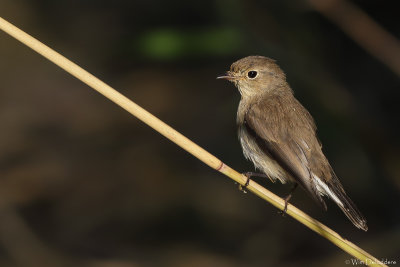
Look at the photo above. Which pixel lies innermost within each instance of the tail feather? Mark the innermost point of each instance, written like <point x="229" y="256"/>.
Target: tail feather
<point x="347" y="206"/>
<point x="335" y="191"/>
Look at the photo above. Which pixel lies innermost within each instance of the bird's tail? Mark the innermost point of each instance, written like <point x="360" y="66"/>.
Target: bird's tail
<point x="335" y="191"/>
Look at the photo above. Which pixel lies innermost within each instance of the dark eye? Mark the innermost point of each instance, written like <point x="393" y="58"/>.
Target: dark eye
<point x="252" y="74"/>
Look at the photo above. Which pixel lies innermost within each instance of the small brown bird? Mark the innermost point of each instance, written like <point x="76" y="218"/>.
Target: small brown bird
<point x="279" y="135"/>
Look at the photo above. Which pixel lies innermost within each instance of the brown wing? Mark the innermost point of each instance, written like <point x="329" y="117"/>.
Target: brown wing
<point x="285" y="130"/>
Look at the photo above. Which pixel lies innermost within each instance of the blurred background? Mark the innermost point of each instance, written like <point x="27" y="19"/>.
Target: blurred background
<point x="83" y="183"/>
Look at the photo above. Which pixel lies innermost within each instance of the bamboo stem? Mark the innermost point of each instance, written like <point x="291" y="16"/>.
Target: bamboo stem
<point x="183" y="141"/>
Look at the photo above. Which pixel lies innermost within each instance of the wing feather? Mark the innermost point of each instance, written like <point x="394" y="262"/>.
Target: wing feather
<point x="285" y="130"/>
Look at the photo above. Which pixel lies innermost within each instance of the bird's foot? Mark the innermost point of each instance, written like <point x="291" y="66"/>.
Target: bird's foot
<point x="249" y="175"/>
<point x="243" y="187"/>
<point x="283" y="212"/>
<point x="287" y="198"/>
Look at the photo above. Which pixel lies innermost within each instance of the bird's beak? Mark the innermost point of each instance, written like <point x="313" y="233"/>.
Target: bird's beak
<point x="229" y="76"/>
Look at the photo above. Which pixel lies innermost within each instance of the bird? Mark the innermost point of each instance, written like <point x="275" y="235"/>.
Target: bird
<point x="278" y="135"/>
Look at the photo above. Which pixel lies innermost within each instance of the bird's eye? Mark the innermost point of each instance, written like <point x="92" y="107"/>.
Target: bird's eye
<point x="252" y="74"/>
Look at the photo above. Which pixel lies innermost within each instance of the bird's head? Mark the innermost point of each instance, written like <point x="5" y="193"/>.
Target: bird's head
<point x="254" y="75"/>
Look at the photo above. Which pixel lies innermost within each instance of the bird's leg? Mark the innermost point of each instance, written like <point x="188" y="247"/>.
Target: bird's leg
<point x="249" y="175"/>
<point x="287" y="198"/>
<point x="255" y="174"/>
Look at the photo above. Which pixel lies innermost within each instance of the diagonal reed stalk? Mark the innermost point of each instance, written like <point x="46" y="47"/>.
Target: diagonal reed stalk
<point x="184" y="142"/>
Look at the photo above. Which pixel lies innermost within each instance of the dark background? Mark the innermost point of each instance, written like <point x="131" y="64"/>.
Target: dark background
<point x="83" y="183"/>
